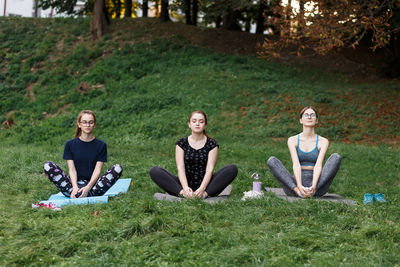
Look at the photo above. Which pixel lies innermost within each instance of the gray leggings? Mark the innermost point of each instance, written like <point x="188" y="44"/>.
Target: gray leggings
<point x="288" y="181"/>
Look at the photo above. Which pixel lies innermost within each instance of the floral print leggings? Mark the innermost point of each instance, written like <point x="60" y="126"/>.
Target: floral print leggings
<point x="63" y="182"/>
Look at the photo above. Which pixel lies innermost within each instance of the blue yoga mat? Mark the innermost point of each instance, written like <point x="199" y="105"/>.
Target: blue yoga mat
<point x="120" y="186"/>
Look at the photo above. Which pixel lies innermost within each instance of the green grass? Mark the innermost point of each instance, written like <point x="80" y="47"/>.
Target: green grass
<point x="134" y="228"/>
<point x="142" y="92"/>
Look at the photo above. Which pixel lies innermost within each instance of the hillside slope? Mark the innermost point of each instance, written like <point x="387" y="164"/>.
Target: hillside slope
<point x="143" y="72"/>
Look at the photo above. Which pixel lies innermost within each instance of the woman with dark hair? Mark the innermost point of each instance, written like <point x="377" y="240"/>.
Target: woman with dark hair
<point x="307" y="150"/>
<point x="195" y="156"/>
<point x="85" y="156"/>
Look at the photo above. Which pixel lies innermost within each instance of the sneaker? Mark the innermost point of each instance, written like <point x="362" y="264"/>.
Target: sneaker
<point x="380" y="198"/>
<point x="368" y="198"/>
<point x="50" y="205"/>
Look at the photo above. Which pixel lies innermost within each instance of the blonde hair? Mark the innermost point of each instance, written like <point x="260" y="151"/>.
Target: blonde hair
<point x="78" y="130"/>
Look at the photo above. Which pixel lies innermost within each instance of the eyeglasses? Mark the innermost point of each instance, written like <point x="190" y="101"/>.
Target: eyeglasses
<point x="87" y="123"/>
<point x="309" y="116"/>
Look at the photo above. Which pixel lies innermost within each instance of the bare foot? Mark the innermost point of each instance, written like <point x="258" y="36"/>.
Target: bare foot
<point x="297" y="191"/>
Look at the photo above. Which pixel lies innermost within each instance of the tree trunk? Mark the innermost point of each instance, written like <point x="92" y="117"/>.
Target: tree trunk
<point x="230" y="21"/>
<point x="36" y="8"/>
<point x="393" y="57"/>
<point x="195" y="12"/>
<point x="247" y="25"/>
<point x="128" y="8"/>
<point x="145" y="8"/>
<point x="117" y="8"/>
<point x="5" y="8"/>
<point x="188" y="8"/>
<point x="301" y="5"/>
<point x="260" y="17"/>
<point x="289" y="10"/>
<point x="301" y="15"/>
<point x="164" y="16"/>
<point x="218" y="22"/>
<point x="100" y="19"/>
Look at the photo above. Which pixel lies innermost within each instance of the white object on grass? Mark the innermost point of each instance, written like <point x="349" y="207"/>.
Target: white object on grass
<point x="252" y="194"/>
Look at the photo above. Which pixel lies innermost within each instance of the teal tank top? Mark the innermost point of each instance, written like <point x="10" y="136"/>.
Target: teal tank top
<point x="307" y="158"/>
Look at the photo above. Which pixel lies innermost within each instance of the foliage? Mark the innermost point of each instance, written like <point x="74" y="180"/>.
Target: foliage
<point x="142" y="90"/>
<point x="325" y="25"/>
<point x="114" y="7"/>
<point x="65" y="6"/>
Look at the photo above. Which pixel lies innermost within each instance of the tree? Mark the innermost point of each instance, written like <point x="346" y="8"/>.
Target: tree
<point x="188" y="12"/>
<point x="230" y="20"/>
<point x="61" y="6"/>
<point x="260" y="17"/>
<point x="145" y="8"/>
<point x="229" y="12"/>
<point x="195" y="11"/>
<point x="191" y="8"/>
<point x="328" y="25"/>
<point x="164" y="15"/>
<point x="116" y="7"/>
<point x="393" y="55"/>
<point x="100" y="19"/>
<point x="128" y="8"/>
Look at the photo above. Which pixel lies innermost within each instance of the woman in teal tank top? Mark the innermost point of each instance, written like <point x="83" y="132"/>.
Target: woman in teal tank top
<point x="307" y="150"/>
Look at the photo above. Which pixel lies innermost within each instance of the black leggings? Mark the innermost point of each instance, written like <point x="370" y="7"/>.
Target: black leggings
<point x="171" y="184"/>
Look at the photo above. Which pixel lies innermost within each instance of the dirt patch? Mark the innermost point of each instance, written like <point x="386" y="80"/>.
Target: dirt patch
<point x="60" y="111"/>
<point x="60" y="45"/>
<point x="278" y="139"/>
<point x="31" y="92"/>
<point x="10" y="120"/>
<point x="84" y="87"/>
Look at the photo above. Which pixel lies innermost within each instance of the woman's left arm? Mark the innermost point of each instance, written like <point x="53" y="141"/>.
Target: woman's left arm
<point x="318" y="165"/>
<point x="95" y="176"/>
<point x="212" y="160"/>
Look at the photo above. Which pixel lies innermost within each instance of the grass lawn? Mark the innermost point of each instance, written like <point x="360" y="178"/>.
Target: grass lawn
<point x="142" y="90"/>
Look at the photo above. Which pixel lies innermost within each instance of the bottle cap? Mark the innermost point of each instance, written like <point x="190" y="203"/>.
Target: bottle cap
<point x="255" y="176"/>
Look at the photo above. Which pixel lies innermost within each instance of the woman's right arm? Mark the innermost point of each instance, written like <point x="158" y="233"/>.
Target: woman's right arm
<point x="180" y="164"/>
<point x="296" y="164"/>
<point x="73" y="176"/>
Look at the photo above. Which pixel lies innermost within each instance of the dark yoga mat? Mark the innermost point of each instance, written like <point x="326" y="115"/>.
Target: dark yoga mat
<point x="328" y="197"/>
<point x="221" y="197"/>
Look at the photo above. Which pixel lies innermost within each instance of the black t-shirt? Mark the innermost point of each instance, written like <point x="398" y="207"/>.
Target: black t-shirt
<point x="85" y="155"/>
<point x="196" y="160"/>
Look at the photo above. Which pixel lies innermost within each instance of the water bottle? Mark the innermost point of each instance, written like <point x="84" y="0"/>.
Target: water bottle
<point x="256" y="182"/>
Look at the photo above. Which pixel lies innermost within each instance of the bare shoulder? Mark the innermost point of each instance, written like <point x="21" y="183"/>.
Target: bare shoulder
<point x="292" y="140"/>
<point x="323" y="141"/>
